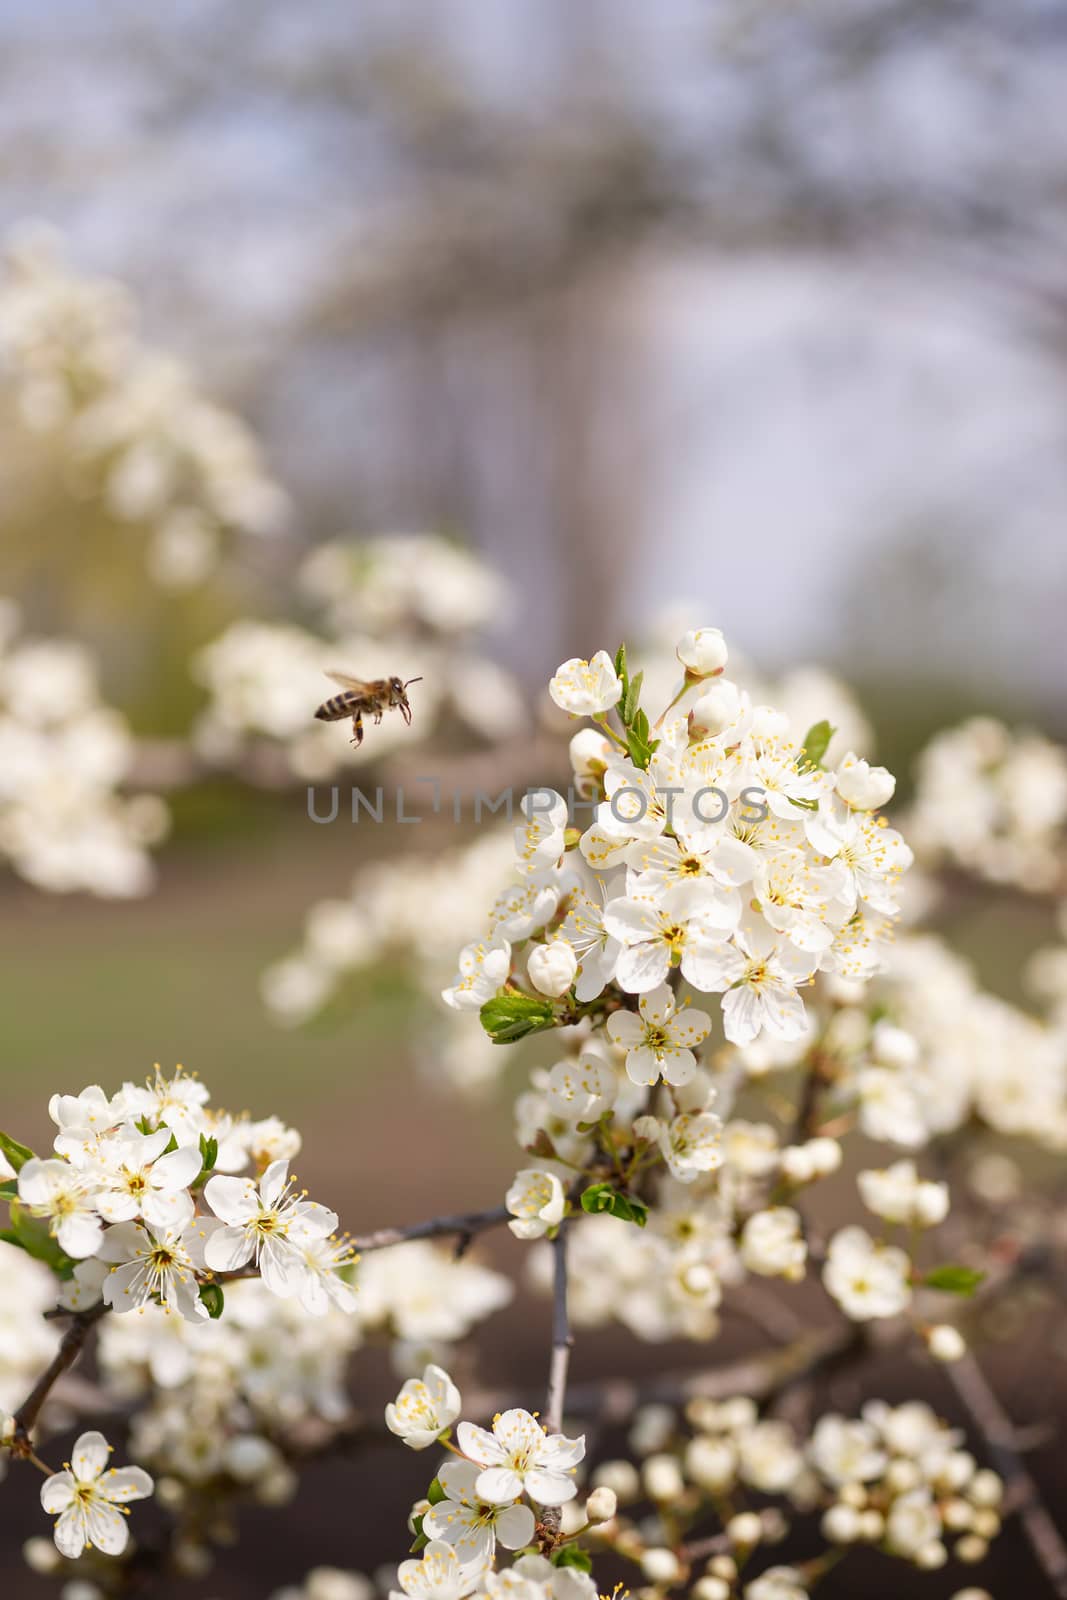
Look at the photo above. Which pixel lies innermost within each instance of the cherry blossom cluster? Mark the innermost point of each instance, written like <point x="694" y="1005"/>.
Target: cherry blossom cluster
<point x="130" y="421"/>
<point x="142" y="1203"/>
<point x="992" y="801"/>
<point x="719" y="850"/>
<point x="65" y="825"/>
<point x="896" y="1478"/>
<point x="421" y="601"/>
<point x="489" y="1494"/>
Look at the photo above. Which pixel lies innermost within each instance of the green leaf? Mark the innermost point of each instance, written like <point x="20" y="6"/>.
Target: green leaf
<point x="17" y="1154"/>
<point x="508" y="1017"/>
<point x="631" y="700"/>
<point x="435" y="1493"/>
<point x="9" y="1190"/>
<point x="602" y="1197"/>
<point x="572" y="1555"/>
<point x="620" y="664"/>
<point x="421" y="1541"/>
<point x="817" y="741"/>
<point x="33" y="1235"/>
<point x="953" y="1280"/>
<point x="212" y="1296"/>
<point x="209" y="1154"/>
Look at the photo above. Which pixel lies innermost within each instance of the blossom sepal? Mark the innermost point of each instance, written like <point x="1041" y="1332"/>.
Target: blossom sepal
<point x="508" y="1017"/>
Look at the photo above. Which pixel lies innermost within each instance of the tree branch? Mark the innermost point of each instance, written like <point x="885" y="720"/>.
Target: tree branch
<point x="464" y="1224"/>
<point x="980" y="1400"/>
<point x="561" y="1336"/>
<point x="70" y="1348"/>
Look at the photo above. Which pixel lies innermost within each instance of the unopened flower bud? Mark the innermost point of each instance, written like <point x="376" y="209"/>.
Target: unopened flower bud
<point x="717" y="708"/>
<point x="841" y="1525"/>
<point x="986" y="1488"/>
<point x="946" y="1343"/>
<point x="661" y="1565"/>
<point x="931" y="1556"/>
<point x="862" y="786"/>
<point x="711" y="1589"/>
<point x="745" y="1529"/>
<point x="602" y="1505"/>
<point x="552" y="967"/>
<point x="796" y="1164"/>
<point x="663" y="1478"/>
<point x="702" y="652"/>
<point x="589" y="753"/>
<point x="826" y="1154"/>
<point x="971" y="1549"/>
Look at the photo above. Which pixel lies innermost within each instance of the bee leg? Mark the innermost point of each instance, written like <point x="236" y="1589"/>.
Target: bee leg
<point x="357" y="728"/>
<point x="377" y="716"/>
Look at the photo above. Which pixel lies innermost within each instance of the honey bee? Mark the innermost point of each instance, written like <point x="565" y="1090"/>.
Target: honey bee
<point x="359" y="695"/>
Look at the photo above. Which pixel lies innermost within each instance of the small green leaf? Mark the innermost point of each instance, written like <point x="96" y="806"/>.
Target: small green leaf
<point x="953" y="1280"/>
<point x="17" y="1154"/>
<point x="9" y="1190"/>
<point x="572" y="1555"/>
<point x="632" y="698"/>
<point x="435" y="1493"/>
<point x="420" y="1541"/>
<point x="508" y="1017"/>
<point x="209" y="1154"/>
<point x="817" y="741"/>
<point x="620" y="664"/>
<point x="212" y="1296"/>
<point x="602" y="1197"/>
<point x="33" y="1235"/>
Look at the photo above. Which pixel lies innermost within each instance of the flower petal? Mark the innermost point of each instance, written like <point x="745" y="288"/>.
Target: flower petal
<point x="90" y="1456"/>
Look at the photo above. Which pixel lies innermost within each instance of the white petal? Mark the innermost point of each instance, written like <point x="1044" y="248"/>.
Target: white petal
<point x="273" y="1182"/>
<point x="643" y="967"/>
<point x="549" y="1488"/>
<point x="479" y="1445"/>
<point x="106" y="1528"/>
<point x="498" y="1485"/>
<point x="57" y="1492"/>
<point x="90" y="1456"/>
<point x="70" y="1533"/>
<point x="233" y="1200"/>
<point x="79" y="1235"/>
<point x="228" y="1249"/>
<point x="126" y="1483"/>
<point x="515" y="1527"/>
<point x="177" y="1170"/>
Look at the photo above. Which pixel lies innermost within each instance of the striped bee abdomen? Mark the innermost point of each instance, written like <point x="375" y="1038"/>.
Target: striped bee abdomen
<point x="338" y="706"/>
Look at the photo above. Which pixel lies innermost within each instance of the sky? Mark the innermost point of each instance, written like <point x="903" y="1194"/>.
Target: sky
<point x="844" y="452"/>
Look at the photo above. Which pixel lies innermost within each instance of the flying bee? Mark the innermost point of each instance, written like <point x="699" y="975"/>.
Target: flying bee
<point x="374" y="696"/>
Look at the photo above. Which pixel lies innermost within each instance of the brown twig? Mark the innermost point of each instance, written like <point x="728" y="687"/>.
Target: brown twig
<point x="70" y="1348"/>
<point x="464" y="1225"/>
<point x="561" y="1336"/>
<point x="998" y="1434"/>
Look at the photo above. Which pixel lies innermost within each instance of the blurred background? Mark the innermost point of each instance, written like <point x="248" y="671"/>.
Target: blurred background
<point x="748" y="312"/>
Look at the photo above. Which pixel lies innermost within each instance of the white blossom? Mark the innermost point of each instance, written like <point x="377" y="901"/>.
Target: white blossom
<point x="518" y="1456"/>
<point x="586" y="688"/>
<point x="88" y="1499"/>
<point x="424" y="1409"/>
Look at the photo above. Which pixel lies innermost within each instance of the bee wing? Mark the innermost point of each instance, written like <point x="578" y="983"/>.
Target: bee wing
<point x="345" y="680"/>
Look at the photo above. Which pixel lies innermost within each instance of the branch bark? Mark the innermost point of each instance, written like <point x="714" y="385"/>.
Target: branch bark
<point x="979" y="1398"/>
<point x="70" y="1348"/>
<point x="463" y="1224"/>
